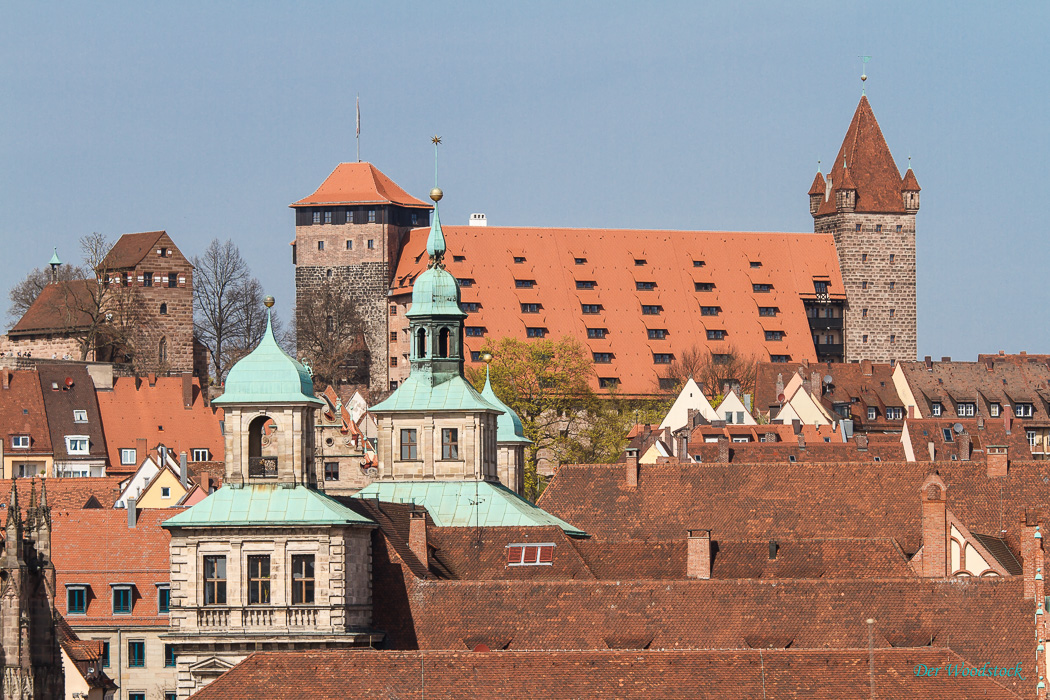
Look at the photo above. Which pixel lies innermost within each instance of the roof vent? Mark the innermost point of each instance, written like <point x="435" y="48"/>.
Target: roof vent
<point x="478" y="220"/>
<point x="773" y="547"/>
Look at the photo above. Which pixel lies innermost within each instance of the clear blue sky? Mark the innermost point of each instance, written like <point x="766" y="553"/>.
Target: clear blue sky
<point x="208" y="119"/>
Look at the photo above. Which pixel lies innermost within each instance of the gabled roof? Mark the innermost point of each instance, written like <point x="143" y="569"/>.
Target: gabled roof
<point x="466" y="504"/>
<point x="157" y="412"/>
<point x="262" y="505"/>
<point x="132" y="248"/>
<point x="61" y="307"/>
<point x="872" y="171"/>
<point x="22" y="413"/>
<point x="359" y="183"/>
<point x="65" y="388"/>
<point x="675" y="262"/>
<point x="690" y="397"/>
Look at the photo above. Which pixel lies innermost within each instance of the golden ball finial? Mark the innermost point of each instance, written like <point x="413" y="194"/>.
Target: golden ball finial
<point x="863" y="77"/>
<point x="436" y="194"/>
<point x="486" y="357"/>
<point x="269" y="301"/>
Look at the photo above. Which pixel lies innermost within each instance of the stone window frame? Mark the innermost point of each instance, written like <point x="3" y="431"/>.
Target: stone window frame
<point x="292" y="556"/>
<point x="82" y="589"/>
<point x="122" y="588"/>
<point x="200" y="454"/>
<point x="331" y="474"/>
<point x="164" y="588"/>
<point x="450" y="444"/>
<point x="259" y="578"/>
<point x="141" y="643"/>
<point x="216" y="582"/>
<point x="411" y="446"/>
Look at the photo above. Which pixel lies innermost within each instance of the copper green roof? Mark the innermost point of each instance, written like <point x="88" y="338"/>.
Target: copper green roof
<point x="435" y="292"/>
<point x="467" y="504"/>
<point x="508" y="425"/>
<point x="54" y="259"/>
<point x="268" y="375"/>
<point x="268" y="504"/>
<point x="436" y="239"/>
<point x="415" y="394"/>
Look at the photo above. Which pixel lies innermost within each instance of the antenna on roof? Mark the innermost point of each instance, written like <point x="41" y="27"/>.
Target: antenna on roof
<point x="358" y="127"/>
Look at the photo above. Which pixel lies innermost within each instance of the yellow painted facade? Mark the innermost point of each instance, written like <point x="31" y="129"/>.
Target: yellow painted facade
<point x="154" y="495"/>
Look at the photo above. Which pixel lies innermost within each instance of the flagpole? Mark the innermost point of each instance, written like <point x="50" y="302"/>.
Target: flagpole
<point x="359" y="128"/>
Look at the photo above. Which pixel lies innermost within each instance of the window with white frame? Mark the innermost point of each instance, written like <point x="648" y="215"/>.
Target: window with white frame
<point x="20" y="442"/>
<point x="1031" y="437"/>
<point x="995" y="410"/>
<point x="530" y="554"/>
<point x="937" y="409"/>
<point x="966" y="409"/>
<point x="1023" y="410"/>
<point x="871" y="413"/>
<point x="127" y="455"/>
<point x="894" y="413"/>
<point x="77" y="444"/>
<point x="79" y="415"/>
<point x="200" y="454"/>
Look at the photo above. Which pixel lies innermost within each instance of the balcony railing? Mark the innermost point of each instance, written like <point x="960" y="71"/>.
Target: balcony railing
<point x="262" y="467"/>
<point x="266" y="616"/>
<point x="821" y="324"/>
<point x="829" y="349"/>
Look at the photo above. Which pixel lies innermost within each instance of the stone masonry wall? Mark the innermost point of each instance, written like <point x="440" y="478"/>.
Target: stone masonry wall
<point x="176" y="324"/>
<point x="881" y="322"/>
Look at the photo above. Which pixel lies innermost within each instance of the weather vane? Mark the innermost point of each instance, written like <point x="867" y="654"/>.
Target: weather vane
<point x="863" y="70"/>
<point x="437" y="142"/>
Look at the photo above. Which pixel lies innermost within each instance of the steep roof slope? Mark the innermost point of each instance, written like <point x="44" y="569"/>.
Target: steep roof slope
<point x="359" y="183"/>
<point x="61" y="306"/>
<point x="871" y="168"/>
<point x="629" y="269"/>
<point x="22" y="413"/>
<point x="131" y="248"/>
<point x="66" y="388"/>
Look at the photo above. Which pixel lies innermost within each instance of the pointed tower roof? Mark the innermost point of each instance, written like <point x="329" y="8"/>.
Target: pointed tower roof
<point x="268" y="375"/>
<point x="359" y="183"/>
<point x="54" y="259"/>
<point x="910" y="184"/>
<point x="846" y="182"/>
<point x="508" y="424"/>
<point x="435" y="292"/>
<point x="818" y="185"/>
<point x="871" y="167"/>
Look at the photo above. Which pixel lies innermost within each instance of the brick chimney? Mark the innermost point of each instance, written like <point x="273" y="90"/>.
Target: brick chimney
<point x="140" y="450"/>
<point x="963" y="439"/>
<point x="862" y="442"/>
<point x="187" y="390"/>
<point x="997" y="460"/>
<point x="417" y="535"/>
<point x="865" y="367"/>
<point x="780" y="386"/>
<point x="632" y="467"/>
<point x="934" y="528"/>
<point x="1008" y="418"/>
<point x="690" y="414"/>
<point x="698" y="554"/>
<point x="929" y="363"/>
<point x="132" y="512"/>
<point x="723" y="449"/>
<point x="801" y="441"/>
<point x="6" y="379"/>
<point x="814" y="383"/>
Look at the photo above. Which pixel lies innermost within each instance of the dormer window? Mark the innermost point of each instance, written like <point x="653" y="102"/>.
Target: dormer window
<point x="995" y="410"/>
<point x="518" y="259"/>
<point x="645" y="286"/>
<point x="524" y="284"/>
<point x="77" y="444"/>
<point x="20" y="442"/>
<point x="936" y="409"/>
<point x="580" y="261"/>
<point x="1023" y="410"/>
<point x="79" y="416"/>
<point x="76" y="598"/>
<point x="127" y="456"/>
<point x="530" y="554"/>
<point x="966" y="409"/>
<point x="639" y="262"/>
<point x="121" y="598"/>
<point x="820" y="286"/>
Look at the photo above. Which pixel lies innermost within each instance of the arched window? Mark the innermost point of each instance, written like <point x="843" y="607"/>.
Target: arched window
<point x="443" y="338"/>
<point x="421" y="343"/>
<point x="162" y="351"/>
<point x="262" y="448"/>
<point x="163" y="309"/>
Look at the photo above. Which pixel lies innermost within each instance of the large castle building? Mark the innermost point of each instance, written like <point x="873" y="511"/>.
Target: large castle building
<point x="637" y="299"/>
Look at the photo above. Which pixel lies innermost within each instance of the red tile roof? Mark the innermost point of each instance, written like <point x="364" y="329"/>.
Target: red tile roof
<point x="819" y="186"/>
<point x="70" y="493"/>
<point x="922" y="432"/>
<point x="134" y="409"/>
<point x="781" y="500"/>
<point x="995" y="380"/>
<point x="627" y="675"/>
<point x="788" y="262"/>
<point x="131" y="248"/>
<point x="22" y="413"/>
<point x="472" y="553"/>
<point x="910" y="184"/>
<point x="65" y="388"/>
<point x="360" y="183"/>
<point x="97" y="548"/>
<point x="872" y="171"/>
<point x="60" y="307"/>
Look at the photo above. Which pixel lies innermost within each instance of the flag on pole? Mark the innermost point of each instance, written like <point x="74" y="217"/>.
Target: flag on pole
<point x="358" y="116"/>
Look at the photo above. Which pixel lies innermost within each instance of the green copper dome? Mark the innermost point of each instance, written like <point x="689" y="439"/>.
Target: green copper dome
<point x="508" y="425"/>
<point x="435" y="293"/>
<point x="268" y="375"/>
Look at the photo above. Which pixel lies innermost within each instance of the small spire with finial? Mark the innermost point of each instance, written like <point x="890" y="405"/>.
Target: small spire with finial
<point x="863" y="70"/>
<point x="436" y="239"/>
<point x="818" y="165"/>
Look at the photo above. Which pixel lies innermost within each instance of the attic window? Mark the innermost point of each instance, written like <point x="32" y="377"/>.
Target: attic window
<point x="580" y="261"/>
<point x="519" y="259"/>
<point x="644" y="286"/>
<point x="639" y="261"/>
<point x="20" y="442"/>
<point x="127" y="456"/>
<point x="698" y="263"/>
<point x="200" y="454"/>
<point x="936" y="409"/>
<point x="530" y="554"/>
<point x="459" y="258"/>
<point x="1023" y="410"/>
<point x="162" y="252"/>
<point x="77" y="444"/>
<point x="79" y="416"/>
<point x="878" y="459"/>
<point x="791" y="458"/>
<point x="947" y="434"/>
<point x="994" y="410"/>
<point x="524" y="284"/>
<point x="755" y="263"/>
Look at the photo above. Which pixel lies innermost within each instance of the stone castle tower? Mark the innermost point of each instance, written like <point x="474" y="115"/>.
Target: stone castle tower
<point x="349" y="234"/>
<point x="870" y="209"/>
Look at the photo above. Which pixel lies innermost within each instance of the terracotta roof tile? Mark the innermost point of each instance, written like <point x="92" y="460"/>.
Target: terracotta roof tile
<point x="628" y="675"/>
<point x="788" y="262"/>
<point x="131" y="248"/>
<point x="910" y="184"/>
<point x="60" y="307"/>
<point x="97" y="548"/>
<point x="360" y="183"/>
<point x="819" y="186"/>
<point x="65" y="388"/>
<point x="22" y="413"/>
<point x="859" y="385"/>
<point x="872" y="171"/>
<point x="134" y="409"/>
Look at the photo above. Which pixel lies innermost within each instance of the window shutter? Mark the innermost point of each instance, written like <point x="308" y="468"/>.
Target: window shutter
<point x="182" y="281"/>
<point x="142" y="281"/>
<point x="546" y="554"/>
<point x="514" y="555"/>
<point x="532" y="554"/>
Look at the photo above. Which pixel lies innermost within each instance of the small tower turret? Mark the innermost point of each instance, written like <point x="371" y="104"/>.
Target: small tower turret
<point x="817" y="193"/>
<point x="845" y="192"/>
<point x="910" y="192"/>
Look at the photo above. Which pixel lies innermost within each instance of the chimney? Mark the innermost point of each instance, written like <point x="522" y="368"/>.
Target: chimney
<point x="417" y="535"/>
<point x="796" y="426"/>
<point x="780" y="386"/>
<point x="980" y="422"/>
<point x="929" y="363"/>
<point x="132" y="512"/>
<point x="769" y="436"/>
<point x="997" y="460"/>
<point x="1032" y="560"/>
<point x="151" y="378"/>
<point x="632" y="467"/>
<point x="698" y="554"/>
<point x="862" y="442"/>
<point x="773" y="548"/>
<point x="946" y="359"/>
<point x="932" y="450"/>
<point x="964" y="446"/>
<point x="162" y="456"/>
<point x="140" y="450"/>
<point x="1008" y="418"/>
<point x="865" y="367"/>
<point x="6" y="379"/>
<point x="723" y="449"/>
<point x="801" y="441"/>
<point x="934" y="528"/>
<point x="683" y="446"/>
<point x="184" y="472"/>
<point x="990" y="364"/>
<point x="668" y="438"/>
<point x="911" y="411"/>
<point x="187" y="390"/>
<point x="814" y="383"/>
<point x="691" y="417"/>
